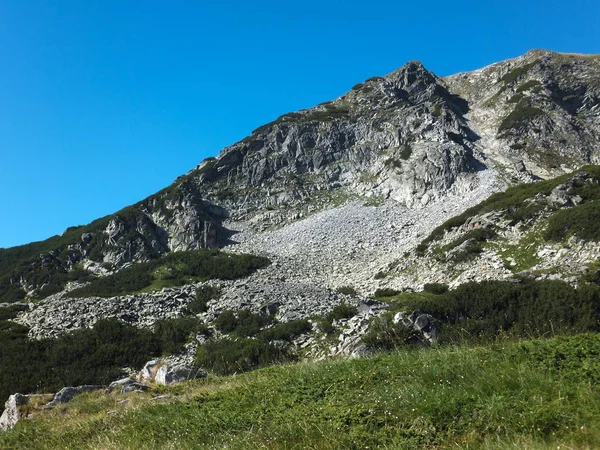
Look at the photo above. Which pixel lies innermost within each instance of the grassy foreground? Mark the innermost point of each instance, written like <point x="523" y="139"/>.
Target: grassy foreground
<point x="537" y="394"/>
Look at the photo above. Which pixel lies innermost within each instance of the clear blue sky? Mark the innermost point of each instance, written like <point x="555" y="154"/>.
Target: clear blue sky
<point x="103" y="103"/>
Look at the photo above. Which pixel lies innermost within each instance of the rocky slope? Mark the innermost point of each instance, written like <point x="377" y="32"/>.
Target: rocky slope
<point x="339" y="194"/>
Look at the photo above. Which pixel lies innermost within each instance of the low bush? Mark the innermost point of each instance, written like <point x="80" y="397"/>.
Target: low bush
<point x="341" y="311"/>
<point x="582" y="221"/>
<point x="172" y="334"/>
<point x="346" y="290"/>
<point x="242" y="323"/>
<point x="385" y="292"/>
<point x="435" y="288"/>
<point x="12" y="311"/>
<point x="513" y="201"/>
<point x="286" y="331"/>
<point x="519" y="117"/>
<point x="204" y="294"/>
<point x="86" y="356"/>
<point x="383" y="334"/>
<point x="226" y="356"/>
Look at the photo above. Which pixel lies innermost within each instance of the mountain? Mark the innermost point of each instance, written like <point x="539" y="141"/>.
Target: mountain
<point x="410" y="137"/>
<point x="329" y="219"/>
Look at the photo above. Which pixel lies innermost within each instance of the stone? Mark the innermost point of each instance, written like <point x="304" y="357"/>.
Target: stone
<point x="11" y="414"/>
<point x="163" y="373"/>
<point x="66" y="394"/>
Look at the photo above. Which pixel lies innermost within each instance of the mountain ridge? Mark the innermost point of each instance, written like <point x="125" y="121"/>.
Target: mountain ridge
<point x="409" y="138"/>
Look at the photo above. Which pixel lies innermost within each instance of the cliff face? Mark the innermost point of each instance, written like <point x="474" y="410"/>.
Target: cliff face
<point x="410" y="137"/>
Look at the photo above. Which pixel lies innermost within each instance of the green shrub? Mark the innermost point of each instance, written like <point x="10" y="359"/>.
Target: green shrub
<point x="173" y="269"/>
<point x="12" y="311"/>
<point x="85" y="356"/>
<point x="435" y="288"/>
<point x="582" y="221"/>
<point x="516" y="73"/>
<point x="519" y="117"/>
<point x="513" y="201"/>
<point x="383" y="334"/>
<point x="226" y="356"/>
<point x="531" y="84"/>
<point x="477" y="235"/>
<point x="242" y="323"/>
<point x="203" y="295"/>
<point x="172" y="334"/>
<point x="286" y="331"/>
<point x="406" y="152"/>
<point x="346" y="290"/>
<point x="485" y="310"/>
<point x="341" y="311"/>
<point x="385" y="292"/>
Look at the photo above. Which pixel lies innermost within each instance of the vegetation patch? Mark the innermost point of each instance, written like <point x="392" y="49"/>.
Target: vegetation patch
<point x="521" y="116"/>
<point x="174" y="269"/>
<point x="582" y="221"/>
<point x="86" y="356"/>
<point x="227" y="356"/>
<point x="534" y="85"/>
<point x="514" y="202"/>
<point x="385" y="292"/>
<point x="474" y="238"/>
<point x="285" y="331"/>
<point x="341" y="311"/>
<point x="346" y="290"/>
<point x="517" y="73"/>
<point x="490" y="310"/>
<point x="242" y="323"/>
<point x="204" y="294"/>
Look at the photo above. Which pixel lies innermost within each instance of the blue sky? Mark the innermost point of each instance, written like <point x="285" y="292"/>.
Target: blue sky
<point x="103" y="103"/>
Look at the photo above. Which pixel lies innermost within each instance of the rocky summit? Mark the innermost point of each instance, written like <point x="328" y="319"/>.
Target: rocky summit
<point x="409" y="179"/>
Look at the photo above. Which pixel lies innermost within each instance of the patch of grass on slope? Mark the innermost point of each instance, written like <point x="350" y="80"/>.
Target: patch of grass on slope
<point x="539" y="394"/>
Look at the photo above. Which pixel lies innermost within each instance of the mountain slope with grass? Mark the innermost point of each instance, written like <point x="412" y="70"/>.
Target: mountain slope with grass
<point x="533" y="394"/>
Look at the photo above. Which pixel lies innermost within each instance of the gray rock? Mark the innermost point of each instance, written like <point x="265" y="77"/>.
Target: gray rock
<point x="168" y="375"/>
<point x="11" y="414"/>
<point x="66" y="394"/>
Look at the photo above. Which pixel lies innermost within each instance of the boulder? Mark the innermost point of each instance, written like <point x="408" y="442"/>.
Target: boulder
<point x="162" y="373"/>
<point x="66" y="394"/>
<point x="11" y="414"/>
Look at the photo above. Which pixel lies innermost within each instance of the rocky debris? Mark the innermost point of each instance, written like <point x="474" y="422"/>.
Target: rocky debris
<point x="422" y="324"/>
<point x="66" y="394"/>
<point x="561" y="195"/>
<point x="160" y="372"/>
<point x="60" y="314"/>
<point x="352" y="330"/>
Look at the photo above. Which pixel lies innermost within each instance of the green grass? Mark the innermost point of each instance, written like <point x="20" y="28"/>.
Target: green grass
<point x="524" y="253"/>
<point x="540" y="394"/>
